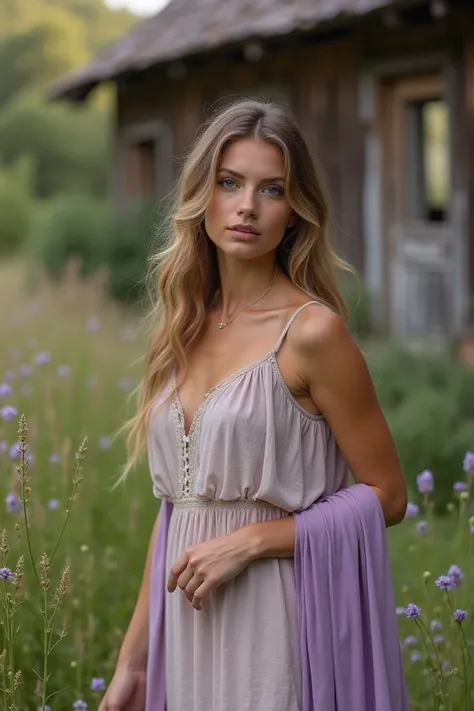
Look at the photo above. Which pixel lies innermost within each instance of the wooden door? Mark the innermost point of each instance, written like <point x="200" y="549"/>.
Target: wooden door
<point x="417" y="197"/>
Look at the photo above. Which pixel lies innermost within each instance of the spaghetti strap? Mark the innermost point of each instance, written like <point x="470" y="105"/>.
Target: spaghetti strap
<point x="285" y="330"/>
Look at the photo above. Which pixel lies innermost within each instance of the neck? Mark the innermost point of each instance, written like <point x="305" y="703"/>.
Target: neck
<point x="241" y="283"/>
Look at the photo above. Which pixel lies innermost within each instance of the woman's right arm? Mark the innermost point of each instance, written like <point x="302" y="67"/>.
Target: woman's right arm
<point x="127" y="689"/>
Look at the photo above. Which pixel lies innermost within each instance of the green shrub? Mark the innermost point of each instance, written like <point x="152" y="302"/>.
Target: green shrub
<point x="70" y="226"/>
<point x="126" y="246"/>
<point x="429" y="404"/>
<point x="16" y="205"/>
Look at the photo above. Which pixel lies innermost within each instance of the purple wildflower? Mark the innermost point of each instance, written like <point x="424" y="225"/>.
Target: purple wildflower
<point x="415" y="657"/>
<point x="412" y="611"/>
<point x="5" y="390"/>
<point x="4" y="446"/>
<point x="44" y="708"/>
<point x="80" y="705"/>
<point x="54" y="458"/>
<point x="459" y="615"/>
<point x="13" y="503"/>
<point x="53" y="504"/>
<point x="421" y="527"/>
<point x="8" y="412"/>
<point x="446" y="666"/>
<point x="63" y="371"/>
<point x="104" y="442"/>
<point x="412" y="510"/>
<point x="6" y="574"/>
<point x="444" y="582"/>
<point x="15" y="450"/>
<point x="125" y="384"/>
<point x="471" y="529"/>
<point x="425" y="482"/>
<point x="26" y="370"/>
<point x="42" y="358"/>
<point x="438" y="639"/>
<point x="98" y="684"/>
<point x="468" y="464"/>
<point x="460" y="486"/>
<point x="435" y="625"/>
<point x="410" y="641"/>
<point x="456" y="574"/>
<point x="400" y="610"/>
<point x="93" y="324"/>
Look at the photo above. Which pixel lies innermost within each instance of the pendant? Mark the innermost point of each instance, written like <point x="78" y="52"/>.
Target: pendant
<point x="221" y="324"/>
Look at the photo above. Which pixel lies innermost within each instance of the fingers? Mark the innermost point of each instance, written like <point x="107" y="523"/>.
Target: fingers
<point x="176" y="570"/>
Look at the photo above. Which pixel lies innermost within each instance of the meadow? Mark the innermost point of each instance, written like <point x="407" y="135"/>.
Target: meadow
<point x="68" y="361"/>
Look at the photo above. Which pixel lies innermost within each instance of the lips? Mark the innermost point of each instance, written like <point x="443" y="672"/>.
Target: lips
<point x="245" y="229"/>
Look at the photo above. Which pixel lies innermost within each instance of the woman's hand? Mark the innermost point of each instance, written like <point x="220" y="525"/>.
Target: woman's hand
<point x="210" y="564"/>
<point x="126" y="691"/>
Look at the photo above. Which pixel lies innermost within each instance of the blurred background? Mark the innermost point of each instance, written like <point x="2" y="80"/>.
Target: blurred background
<point x="99" y="102"/>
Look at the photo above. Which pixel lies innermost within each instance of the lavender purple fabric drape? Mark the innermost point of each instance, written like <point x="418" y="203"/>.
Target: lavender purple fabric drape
<point x="350" y="653"/>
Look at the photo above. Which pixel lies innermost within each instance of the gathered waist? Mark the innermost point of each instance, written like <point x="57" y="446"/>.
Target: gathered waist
<point x="203" y="503"/>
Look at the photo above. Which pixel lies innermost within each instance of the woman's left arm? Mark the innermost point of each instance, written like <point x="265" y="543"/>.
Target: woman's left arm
<point x="341" y="387"/>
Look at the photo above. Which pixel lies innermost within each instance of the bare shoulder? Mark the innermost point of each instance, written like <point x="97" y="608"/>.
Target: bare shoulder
<point x="320" y="331"/>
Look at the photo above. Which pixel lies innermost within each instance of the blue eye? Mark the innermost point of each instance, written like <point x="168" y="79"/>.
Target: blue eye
<point x="279" y="191"/>
<point x="227" y="180"/>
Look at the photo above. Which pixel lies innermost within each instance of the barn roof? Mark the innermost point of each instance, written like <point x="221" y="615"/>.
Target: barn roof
<point x="189" y="27"/>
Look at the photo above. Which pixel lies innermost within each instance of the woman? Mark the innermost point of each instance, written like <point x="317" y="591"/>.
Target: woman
<point x="254" y="394"/>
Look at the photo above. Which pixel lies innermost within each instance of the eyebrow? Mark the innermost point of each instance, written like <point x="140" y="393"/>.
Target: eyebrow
<point x="275" y="179"/>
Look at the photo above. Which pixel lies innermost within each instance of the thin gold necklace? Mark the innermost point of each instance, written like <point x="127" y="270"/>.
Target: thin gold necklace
<point x="223" y="324"/>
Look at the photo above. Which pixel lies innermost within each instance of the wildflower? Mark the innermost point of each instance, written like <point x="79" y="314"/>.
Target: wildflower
<point x="425" y="482"/>
<point x="63" y="371"/>
<point x="450" y="507"/>
<point x="104" y="442"/>
<point x="44" y="708"/>
<point x="3" y="446"/>
<point x="98" y="684"/>
<point x="468" y="464"/>
<point x="412" y="510"/>
<point x="93" y="324"/>
<point x="412" y="611"/>
<point x="43" y="358"/>
<point x="80" y="705"/>
<point x="444" y="582"/>
<point x="427" y="576"/>
<point x="53" y="504"/>
<point x="421" y="527"/>
<point x="13" y="503"/>
<point x="5" y="390"/>
<point x="415" y="657"/>
<point x="464" y="496"/>
<point x="6" y="574"/>
<point x="410" y="641"/>
<point x="8" y="412"/>
<point x="456" y="574"/>
<point x="460" y="486"/>
<point x="26" y="370"/>
<point x="84" y="548"/>
<point x="15" y="450"/>
<point x="459" y="615"/>
<point x="435" y="625"/>
<point x="446" y="666"/>
<point x="125" y="384"/>
<point x="54" y="458"/>
<point x="438" y="639"/>
<point x="400" y="610"/>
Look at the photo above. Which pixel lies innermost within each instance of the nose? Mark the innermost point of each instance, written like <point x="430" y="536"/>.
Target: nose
<point x="248" y="205"/>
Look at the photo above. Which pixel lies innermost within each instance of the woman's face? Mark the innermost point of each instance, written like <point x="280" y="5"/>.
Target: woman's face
<point x="248" y="212"/>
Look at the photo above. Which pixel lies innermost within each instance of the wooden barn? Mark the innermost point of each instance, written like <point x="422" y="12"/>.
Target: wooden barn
<point x="384" y="93"/>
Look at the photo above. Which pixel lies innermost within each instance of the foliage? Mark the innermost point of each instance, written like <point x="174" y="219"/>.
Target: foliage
<point x="127" y="246"/>
<point x="70" y="226"/>
<point x="70" y="147"/>
<point x="16" y="205"/>
<point x="429" y="404"/>
<point x="357" y="300"/>
<point x="76" y="226"/>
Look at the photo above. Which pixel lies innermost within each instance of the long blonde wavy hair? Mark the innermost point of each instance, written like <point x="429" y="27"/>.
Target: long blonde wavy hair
<point x="183" y="277"/>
